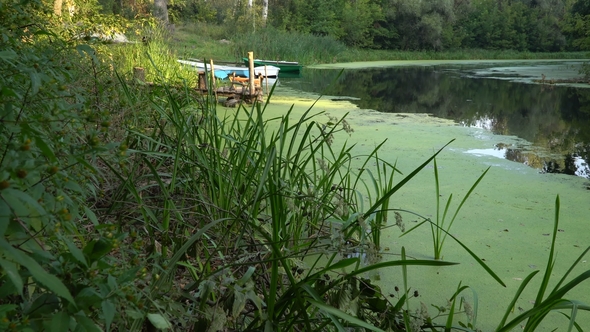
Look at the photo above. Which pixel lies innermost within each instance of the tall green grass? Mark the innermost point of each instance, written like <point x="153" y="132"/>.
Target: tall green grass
<point x="351" y="55"/>
<point x="144" y="53"/>
<point x="442" y="225"/>
<point x="273" y="44"/>
<point x="267" y="225"/>
<point x="260" y="215"/>
<point x="204" y="41"/>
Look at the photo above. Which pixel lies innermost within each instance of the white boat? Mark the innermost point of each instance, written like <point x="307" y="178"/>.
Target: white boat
<point x="267" y="71"/>
<point x="223" y="72"/>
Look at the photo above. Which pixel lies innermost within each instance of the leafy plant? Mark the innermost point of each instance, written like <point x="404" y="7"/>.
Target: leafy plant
<point x="440" y="228"/>
<point x="60" y="259"/>
<point x="554" y="300"/>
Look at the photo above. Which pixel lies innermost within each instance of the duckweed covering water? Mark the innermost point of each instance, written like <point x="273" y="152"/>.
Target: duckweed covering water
<point x="506" y="221"/>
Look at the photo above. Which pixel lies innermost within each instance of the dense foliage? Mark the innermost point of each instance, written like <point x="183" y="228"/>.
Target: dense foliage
<point x="531" y="25"/>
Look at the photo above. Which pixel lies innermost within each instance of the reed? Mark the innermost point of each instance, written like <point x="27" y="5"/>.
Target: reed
<point x="549" y="301"/>
<point x="276" y="206"/>
<point x="274" y="44"/>
<point x="145" y="53"/>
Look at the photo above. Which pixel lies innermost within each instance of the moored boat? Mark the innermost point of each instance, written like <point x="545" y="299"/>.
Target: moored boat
<point x="285" y="66"/>
<point x="222" y="71"/>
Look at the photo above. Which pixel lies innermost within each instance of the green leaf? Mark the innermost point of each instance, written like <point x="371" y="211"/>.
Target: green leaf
<point x="95" y="249"/>
<point x="11" y="270"/>
<point x="44" y="304"/>
<point x="76" y="252"/>
<point x="112" y="282"/>
<point x="342" y="315"/>
<point x="9" y="193"/>
<point x="128" y="275"/>
<point x="341" y="264"/>
<point x="377" y="304"/>
<point x="159" y="321"/>
<point x="60" y="322"/>
<point x="516" y="297"/>
<point x="47" y="279"/>
<point x="87" y="324"/>
<point x="8" y="55"/>
<point x="5" y="215"/>
<point x="88" y="50"/>
<point x="239" y="303"/>
<point x="402" y="262"/>
<point x="45" y="149"/>
<point x="90" y="214"/>
<point x="6" y="308"/>
<point x="74" y="187"/>
<point x="108" y="310"/>
<point x="246" y="275"/>
<point x="87" y="297"/>
<point x="134" y="314"/>
<point x="35" y="81"/>
<point x="252" y="296"/>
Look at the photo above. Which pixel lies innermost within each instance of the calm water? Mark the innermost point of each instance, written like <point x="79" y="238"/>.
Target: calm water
<point x="552" y="122"/>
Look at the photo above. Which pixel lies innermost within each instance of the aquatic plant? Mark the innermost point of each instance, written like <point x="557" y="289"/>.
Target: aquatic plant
<point x="440" y="229"/>
<point x="441" y="226"/>
<point x="554" y="301"/>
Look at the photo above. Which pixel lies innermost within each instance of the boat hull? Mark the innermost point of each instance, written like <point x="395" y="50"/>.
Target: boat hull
<point x="285" y="66"/>
<point x="223" y="72"/>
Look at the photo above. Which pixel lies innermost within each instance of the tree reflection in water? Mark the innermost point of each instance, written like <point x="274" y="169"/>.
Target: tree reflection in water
<point x="555" y="119"/>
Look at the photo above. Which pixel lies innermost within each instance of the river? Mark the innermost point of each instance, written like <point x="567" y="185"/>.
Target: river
<point x="533" y="137"/>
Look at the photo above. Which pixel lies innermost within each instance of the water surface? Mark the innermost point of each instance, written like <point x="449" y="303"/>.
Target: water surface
<point x="508" y="219"/>
<point x="551" y="119"/>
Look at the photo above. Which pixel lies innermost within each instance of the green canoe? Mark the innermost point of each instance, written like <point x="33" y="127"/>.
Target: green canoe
<point x="285" y="66"/>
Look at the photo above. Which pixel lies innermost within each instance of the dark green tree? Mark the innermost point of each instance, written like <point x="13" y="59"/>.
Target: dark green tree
<point x="577" y="26"/>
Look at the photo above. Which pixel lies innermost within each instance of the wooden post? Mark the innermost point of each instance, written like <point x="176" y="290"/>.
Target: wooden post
<point x="265" y="79"/>
<point x="214" y="85"/>
<point x="251" y="75"/>
<point x="202" y="81"/>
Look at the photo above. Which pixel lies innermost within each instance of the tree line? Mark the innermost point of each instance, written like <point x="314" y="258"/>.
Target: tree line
<point x="418" y="25"/>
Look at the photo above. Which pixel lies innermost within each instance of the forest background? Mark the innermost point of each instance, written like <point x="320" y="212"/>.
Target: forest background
<point x="521" y="25"/>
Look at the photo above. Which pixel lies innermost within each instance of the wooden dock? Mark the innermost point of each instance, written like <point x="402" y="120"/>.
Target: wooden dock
<point x="234" y="93"/>
<point x="240" y="90"/>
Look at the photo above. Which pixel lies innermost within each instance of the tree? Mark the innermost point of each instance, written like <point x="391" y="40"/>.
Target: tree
<point x="576" y="26"/>
<point x="358" y="20"/>
<point x="57" y="7"/>
<point x="420" y="24"/>
<point x="161" y="11"/>
<point x="264" y="12"/>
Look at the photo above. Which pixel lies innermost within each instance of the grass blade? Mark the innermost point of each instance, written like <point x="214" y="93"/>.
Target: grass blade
<point x="402" y="183"/>
<point x="342" y="315"/>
